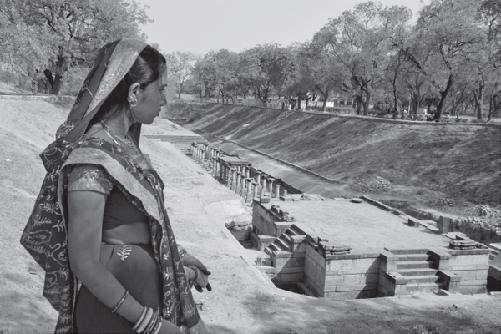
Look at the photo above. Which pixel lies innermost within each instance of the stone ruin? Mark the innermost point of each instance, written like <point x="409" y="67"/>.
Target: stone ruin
<point x="300" y="262"/>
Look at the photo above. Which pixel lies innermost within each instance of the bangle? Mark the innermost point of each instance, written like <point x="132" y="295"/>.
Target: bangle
<point x="141" y="318"/>
<point x="120" y="302"/>
<point x="146" y="320"/>
<point x="156" y="330"/>
<point x="152" y="324"/>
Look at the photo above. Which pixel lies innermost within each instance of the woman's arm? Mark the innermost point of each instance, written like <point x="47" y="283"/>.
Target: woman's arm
<point x="85" y="223"/>
<point x="85" y="220"/>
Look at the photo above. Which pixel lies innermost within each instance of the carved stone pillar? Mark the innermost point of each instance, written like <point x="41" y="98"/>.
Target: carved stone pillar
<point x="271" y="180"/>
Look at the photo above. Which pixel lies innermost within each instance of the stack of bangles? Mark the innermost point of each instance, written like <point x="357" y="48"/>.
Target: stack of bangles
<point x="149" y="322"/>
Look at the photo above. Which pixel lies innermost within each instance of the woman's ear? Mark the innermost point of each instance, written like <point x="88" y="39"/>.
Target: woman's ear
<point x="134" y="94"/>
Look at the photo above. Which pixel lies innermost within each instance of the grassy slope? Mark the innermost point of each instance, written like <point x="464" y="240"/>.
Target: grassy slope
<point x="447" y="167"/>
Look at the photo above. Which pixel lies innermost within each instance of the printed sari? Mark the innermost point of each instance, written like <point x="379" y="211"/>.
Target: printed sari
<point x="45" y="235"/>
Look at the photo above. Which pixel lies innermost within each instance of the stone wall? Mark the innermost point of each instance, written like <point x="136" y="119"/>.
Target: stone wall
<point x="352" y="276"/>
<point x="266" y="222"/>
<point x="314" y="271"/>
<point x="472" y="267"/>
<point x="289" y="268"/>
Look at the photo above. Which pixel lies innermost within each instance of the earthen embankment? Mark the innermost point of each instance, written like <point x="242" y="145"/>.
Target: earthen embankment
<point x="448" y="167"/>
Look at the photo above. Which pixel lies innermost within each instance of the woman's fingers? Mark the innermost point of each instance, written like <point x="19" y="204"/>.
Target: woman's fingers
<point x="202" y="281"/>
<point x="191" y="261"/>
<point x="189" y="273"/>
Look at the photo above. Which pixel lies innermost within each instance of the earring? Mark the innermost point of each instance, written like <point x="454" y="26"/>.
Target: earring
<point x="132" y="101"/>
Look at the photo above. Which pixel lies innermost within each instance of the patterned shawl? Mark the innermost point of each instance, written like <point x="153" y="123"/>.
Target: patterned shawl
<point x="45" y="234"/>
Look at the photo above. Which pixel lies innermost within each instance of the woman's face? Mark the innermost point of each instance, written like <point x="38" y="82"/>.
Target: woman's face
<point x="151" y="99"/>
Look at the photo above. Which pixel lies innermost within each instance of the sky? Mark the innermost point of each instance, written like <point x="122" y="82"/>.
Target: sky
<point x="199" y="26"/>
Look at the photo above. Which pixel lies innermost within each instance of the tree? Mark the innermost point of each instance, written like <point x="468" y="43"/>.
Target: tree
<point x="179" y="68"/>
<point x="267" y="67"/>
<point x="218" y="72"/>
<point x="359" y="40"/>
<point x="70" y="31"/>
<point x="489" y="66"/>
<point x="444" y="33"/>
<point x="23" y="46"/>
<point x="321" y="73"/>
<point x="395" y="28"/>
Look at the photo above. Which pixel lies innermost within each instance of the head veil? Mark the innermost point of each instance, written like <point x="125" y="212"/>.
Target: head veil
<point x="45" y="235"/>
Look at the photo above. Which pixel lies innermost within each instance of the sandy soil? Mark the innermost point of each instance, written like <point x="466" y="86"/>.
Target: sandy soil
<point x="242" y="300"/>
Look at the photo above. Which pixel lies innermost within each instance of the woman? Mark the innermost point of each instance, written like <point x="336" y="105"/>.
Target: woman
<point x="99" y="228"/>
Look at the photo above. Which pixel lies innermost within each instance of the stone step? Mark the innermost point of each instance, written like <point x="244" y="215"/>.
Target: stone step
<point x="268" y="251"/>
<point x="281" y="244"/>
<point x="421" y="279"/>
<point x="408" y="251"/>
<point x="271" y="248"/>
<point x="414" y="265"/>
<point x="422" y="288"/>
<point x="296" y="230"/>
<point x="412" y="257"/>
<point x="418" y="272"/>
<point x="284" y="238"/>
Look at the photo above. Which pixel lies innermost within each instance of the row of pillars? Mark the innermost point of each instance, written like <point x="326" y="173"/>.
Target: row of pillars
<point x="238" y="177"/>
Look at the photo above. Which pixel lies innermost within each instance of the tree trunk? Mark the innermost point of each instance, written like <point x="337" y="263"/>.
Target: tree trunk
<point x="478" y="96"/>
<point x="491" y="108"/>
<point x="324" y="102"/>
<point x="358" y="99"/>
<point x="413" y="105"/>
<point x="58" y="71"/>
<point x="443" y="96"/>
<point x="366" y="101"/>
<point x="394" y="87"/>
<point x="181" y="86"/>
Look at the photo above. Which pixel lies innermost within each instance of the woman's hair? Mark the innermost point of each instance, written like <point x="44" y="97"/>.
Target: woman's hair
<point x="144" y="71"/>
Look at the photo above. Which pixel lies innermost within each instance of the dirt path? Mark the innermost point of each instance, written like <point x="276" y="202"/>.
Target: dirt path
<point x="242" y="300"/>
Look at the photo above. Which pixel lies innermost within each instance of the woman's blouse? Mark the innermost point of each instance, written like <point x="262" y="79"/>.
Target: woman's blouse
<point x="118" y="210"/>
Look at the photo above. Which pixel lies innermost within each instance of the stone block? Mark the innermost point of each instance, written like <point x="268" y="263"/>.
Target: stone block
<point x="472" y="289"/>
<point x="495" y="272"/>
<point x="388" y="262"/>
<point x="263" y="241"/>
<point x="288" y="277"/>
<point x="463" y="260"/>
<point x="390" y="284"/>
<point x="466" y="274"/>
<point x="445" y="224"/>
<point x="474" y="282"/>
<point x="352" y="266"/>
<point x="494" y="279"/>
<point x="348" y="295"/>
<point x="358" y="280"/>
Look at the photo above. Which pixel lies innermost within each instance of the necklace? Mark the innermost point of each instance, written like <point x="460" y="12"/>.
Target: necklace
<point x="137" y="157"/>
<point x="117" y="140"/>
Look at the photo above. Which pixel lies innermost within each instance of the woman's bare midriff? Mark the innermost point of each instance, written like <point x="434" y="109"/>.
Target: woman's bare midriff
<point x="135" y="233"/>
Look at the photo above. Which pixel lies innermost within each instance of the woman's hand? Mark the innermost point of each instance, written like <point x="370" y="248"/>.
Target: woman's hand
<point x="197" y="278"/>
<point x="201" y="274"/>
